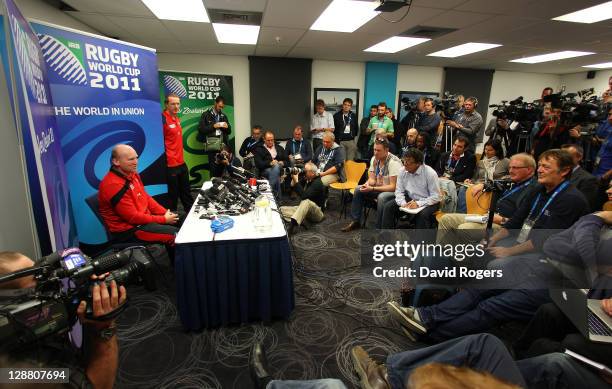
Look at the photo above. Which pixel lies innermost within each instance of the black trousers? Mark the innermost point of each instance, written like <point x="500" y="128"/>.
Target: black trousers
<point x="178" y="186"/>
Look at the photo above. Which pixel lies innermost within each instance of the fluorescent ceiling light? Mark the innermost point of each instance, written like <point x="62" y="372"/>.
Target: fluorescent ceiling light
<point x="187" y="10"/>
<point x="345" y="15"/>
<point x="589" y="15"/>
<point x="552" y="56"/>
<point x="395" y="44"/>
<point x="464" y="49"/>
<point x="604" y="65"/>
<point x="241" y="34"/>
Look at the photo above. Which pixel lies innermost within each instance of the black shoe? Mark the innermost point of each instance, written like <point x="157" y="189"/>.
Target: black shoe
<point x="293" y="226"/>
<point x="351" y="226"/>
<point x="259" y="367"/>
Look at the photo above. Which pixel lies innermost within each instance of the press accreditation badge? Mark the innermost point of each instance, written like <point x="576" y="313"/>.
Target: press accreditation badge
<point x="297" y="156"/>
<point x="347" y="129"/>
<point x="525" y="230"/>
<point x="218" y="133"/>
<point x="172" y="125"/>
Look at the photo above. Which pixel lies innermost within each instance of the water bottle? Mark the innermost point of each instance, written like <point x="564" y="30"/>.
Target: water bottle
<point x="262" y="215"/>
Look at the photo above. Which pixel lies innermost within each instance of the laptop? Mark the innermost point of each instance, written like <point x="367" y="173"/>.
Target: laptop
<point x="586" y="314"/>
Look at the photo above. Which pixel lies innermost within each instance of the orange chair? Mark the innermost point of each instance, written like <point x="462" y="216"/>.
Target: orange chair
<point x="480" y="205"/>
<point x="354" y="171"/>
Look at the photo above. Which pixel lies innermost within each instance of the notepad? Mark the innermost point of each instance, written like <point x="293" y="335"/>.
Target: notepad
<point x="412" y="211"/>
<point x="482" y="219"/>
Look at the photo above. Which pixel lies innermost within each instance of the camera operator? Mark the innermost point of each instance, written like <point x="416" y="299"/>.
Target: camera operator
<point x="552" y="134"/>
<point x="312" y="195"/>
<point x="226" y="161"/>
<point x="469" y="122"/>
<point x="429" y="121"/>
<point x="100" y="339"/>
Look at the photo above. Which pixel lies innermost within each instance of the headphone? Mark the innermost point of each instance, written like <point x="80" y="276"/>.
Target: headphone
<point x="474" y="99"/>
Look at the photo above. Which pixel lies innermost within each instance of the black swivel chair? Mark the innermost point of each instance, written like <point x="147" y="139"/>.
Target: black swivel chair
<point x="94" y="204"/>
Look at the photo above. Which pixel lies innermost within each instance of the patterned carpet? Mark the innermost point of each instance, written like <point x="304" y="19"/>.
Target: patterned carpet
<point x="337" y="307"/>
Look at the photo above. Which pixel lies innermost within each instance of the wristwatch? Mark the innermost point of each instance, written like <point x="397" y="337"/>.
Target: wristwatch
<point x="107" y="333"/>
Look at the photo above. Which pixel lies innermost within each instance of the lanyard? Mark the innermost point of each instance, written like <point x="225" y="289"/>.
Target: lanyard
<point x="217" y="115"/>
<point x="552" y="197"/>
<point x="324" y="157"/>
<point x="251" y="144"/>
<point x="378" y="168"/>
<point x="450" y="159"/>
<point x="514" y="190"/>
<point x="293" y="147"/>
<point x="344" y="119"/>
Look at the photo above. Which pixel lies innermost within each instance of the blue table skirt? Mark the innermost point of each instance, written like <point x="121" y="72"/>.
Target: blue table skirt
<point x="220" y="283"/>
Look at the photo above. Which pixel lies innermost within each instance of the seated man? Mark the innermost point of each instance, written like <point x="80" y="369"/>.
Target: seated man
<point x="474" y="361"/>
<point x="417" y="186"/>
<point x="127" y="209"/>
<point x="312" y="195"/>
<point x="430" y="154"/>
<point x="226" y="161"/>
<point x="248" y="146"/>
<point x="270" y="158"/>
<point x="382" y="177"/>
<point x="581" y="179"/>
<point x="329" y="158"/>
<point x="411" y="138"/>
<point x="298" y="149"/>
<point x="458" y="164"/>
<point x="556" y="205"/>
<point x="100" y="336"/>
<point x="452" y="227"/>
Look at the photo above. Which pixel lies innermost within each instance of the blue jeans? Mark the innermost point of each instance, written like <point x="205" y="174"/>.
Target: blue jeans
<point x="482" y="352"/>
<point x="461" y="202"/>
<point x="558" y="371"/>
<point x="325" y="383"/>
<point x="473" y="311"/>
<point x="359" y="198"/>
<point x="273" y="175"/>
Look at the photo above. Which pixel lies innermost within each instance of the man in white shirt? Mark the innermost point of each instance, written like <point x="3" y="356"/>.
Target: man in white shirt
<point x="417" y="187"/>
<point x="320" y="122"/>
<point x="382" y="177"/>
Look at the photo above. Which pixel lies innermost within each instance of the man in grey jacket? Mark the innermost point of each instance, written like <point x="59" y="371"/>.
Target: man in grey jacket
<point x="469" y="122"/>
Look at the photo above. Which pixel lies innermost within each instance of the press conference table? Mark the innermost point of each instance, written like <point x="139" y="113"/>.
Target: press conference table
<point x="236" y="276"/>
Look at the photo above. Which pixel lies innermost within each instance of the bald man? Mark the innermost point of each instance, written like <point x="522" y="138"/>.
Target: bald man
<point x="411" y="137"/>
<point x="128" y="212"/>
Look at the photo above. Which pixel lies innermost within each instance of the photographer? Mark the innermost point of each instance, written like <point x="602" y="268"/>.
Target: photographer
<point x="552" y="134"/>
<point x="100" y="339"/>
<point x="312" y="195"/>
<point x="225" y="161"/>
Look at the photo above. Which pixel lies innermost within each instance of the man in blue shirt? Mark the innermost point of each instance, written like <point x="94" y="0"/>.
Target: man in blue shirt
<point x="603" y="162"/>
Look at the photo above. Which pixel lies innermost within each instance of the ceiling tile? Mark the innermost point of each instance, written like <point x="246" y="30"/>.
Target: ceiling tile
<point x="237" y="5"/>
<point x="293" y="14"/>
<point x="287" y="36"/>
<point x="190" y="30"/>
<point x="142" y="28"/>
<point x="271" y="51"/>
<point x="112" y="7"/>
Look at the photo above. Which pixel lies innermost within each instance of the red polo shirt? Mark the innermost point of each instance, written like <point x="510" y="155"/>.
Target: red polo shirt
<point x="173" y="139"/>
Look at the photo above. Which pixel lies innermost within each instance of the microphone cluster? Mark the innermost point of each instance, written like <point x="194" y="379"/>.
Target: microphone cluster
<point x="226" y="197"/>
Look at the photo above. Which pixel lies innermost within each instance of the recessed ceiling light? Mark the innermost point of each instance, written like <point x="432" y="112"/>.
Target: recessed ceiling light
<point x="345" y="15"/>
<point x="241" y="34"/>
<point x="604" y="65"/>
<point x="593" y="14"/>
<point x="187" y="11"/>
<point x="464" y="49"/>
<point x="395" y="44"/>
<point x="552" y="56"/>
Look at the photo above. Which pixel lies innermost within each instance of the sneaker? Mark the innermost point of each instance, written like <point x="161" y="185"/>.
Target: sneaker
<point x="406" y="317"/>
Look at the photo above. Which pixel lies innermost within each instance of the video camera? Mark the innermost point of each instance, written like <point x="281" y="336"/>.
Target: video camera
<point x="582" y="108"/>
<point x="221" y="157"/>
<point x="497" y="186"/>
<point x="63" y="279"/>
<point x="517" y="110"/>
<point x="447" y="104"/>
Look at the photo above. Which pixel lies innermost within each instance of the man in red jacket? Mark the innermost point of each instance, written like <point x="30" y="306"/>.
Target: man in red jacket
<point x="127" y="210"/>
<point x="176" y="171"/>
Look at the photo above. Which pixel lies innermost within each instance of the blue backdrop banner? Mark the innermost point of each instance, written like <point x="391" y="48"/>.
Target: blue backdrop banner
<point x="105" y="92"/>
<point x="34" y="112"/>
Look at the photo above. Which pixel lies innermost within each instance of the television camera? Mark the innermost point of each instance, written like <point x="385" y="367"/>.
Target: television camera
<point x="63" y="279"/>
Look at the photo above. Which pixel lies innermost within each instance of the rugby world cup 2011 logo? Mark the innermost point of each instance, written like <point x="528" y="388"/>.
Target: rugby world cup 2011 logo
<point x="64" y="57"/>
<point x="174" y="85"/>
